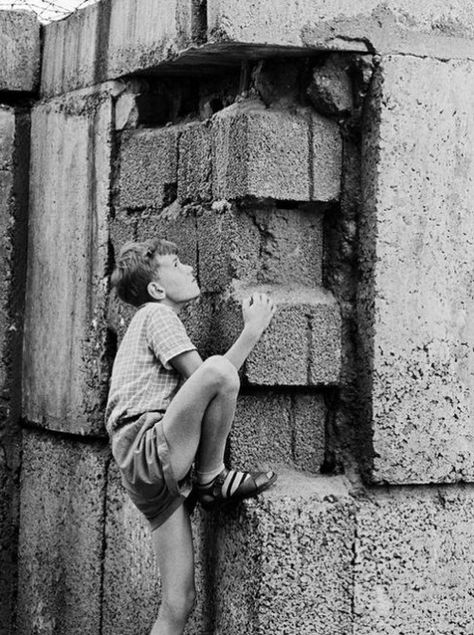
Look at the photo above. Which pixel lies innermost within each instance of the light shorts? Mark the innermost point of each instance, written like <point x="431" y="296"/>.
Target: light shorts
<point x="142" y="453"/>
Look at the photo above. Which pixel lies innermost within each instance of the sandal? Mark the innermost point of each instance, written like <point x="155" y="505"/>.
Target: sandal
<point x="231" y="486"/>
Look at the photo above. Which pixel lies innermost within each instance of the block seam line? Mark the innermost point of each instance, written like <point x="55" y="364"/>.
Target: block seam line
<point x="104" y="543"/>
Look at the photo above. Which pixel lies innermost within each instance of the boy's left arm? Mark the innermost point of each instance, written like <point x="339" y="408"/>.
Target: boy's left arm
<point x="186" y="363"/>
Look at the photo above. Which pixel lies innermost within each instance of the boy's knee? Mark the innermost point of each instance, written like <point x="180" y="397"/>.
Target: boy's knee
<point x="222" y="372"/>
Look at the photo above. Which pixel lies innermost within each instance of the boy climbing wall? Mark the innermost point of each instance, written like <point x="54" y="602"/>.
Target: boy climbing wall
<point x="168" y="409"/>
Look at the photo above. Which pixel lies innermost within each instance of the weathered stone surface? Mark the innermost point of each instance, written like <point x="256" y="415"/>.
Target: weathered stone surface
<point x="272" y="430"/>
<point x="131" y="577"/>
<point x="414" y="562"/>
<point x="330" y="90"/>
<point x="283" y="564"/>
<point x="111" y="39"/>
<point x="259" y="152"/>
<point x="261" y="244"/>
<point x="65" y="365"/>
<point x="14" y="161"/>
<point x="302" y="345"/>
<point x="149" y="167"/>
<point x="60" y="551"/>
<point x="19" y="51"/>
<point x="427" y="27"/>
<point x="416" y="301"/>
<point x="195" y="167"/>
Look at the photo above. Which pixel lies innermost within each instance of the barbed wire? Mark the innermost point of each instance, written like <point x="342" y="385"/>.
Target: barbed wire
<point x="47" y="10"/>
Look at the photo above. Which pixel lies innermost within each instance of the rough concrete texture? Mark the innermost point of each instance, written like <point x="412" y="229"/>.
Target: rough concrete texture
<point x="111" y="39"/>
<point x="65" y="367"/>
<point x="274" y="153"/>
<point x="149" y="167"/>
<point x="300" y="347"/>
<point x="19" y="51"/>
<point x="131" y="577"/>
<point x="194" y="167"/>
<point x="330" y="90"/>
<point x="61" y="550"/>
<point x="283" y="564"/>
<point x="416" y="300"/>
<point x="14" y="161"/>
<point x="428" y="27"/>
<point x="260" y="244"/>
<point x="414" y="562"/>
<point x="273" y="429"/>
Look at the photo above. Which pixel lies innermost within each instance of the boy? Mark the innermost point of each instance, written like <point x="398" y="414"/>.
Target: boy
<point x="159" y="425"/>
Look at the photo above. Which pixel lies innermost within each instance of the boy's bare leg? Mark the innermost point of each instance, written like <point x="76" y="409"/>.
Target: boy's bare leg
<point x="173" y="546"/>
<point x="201" y="415"/>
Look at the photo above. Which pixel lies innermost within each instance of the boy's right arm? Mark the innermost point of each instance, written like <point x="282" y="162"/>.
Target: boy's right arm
<point x="258" y="311"/>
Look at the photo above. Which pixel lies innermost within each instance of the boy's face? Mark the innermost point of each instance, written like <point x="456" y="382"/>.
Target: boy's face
<point x="176" y="281"/>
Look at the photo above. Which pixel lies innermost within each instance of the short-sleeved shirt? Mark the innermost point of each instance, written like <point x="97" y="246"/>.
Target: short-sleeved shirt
<point x="142" y="379"/>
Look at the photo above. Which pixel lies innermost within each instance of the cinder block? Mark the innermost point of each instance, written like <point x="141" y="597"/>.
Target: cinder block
<point x="261" y="244"/>
<point x="326" y="157"/>
<point x="131" y="576"/>
<point x="61" y="535"/>
<point x="284" y="564"/>
<point x="65" y="363"/>
<point x="415" y="292"/>
<point x="261" y="153"/>
<point x="300" y="347"/>
<point x="148" y="167"/>
<point x="195" y="166"/>
<point x="414" y="562"/>
<point x="272" y="430"/>
<point x="308" y="420"/>
<point x="19" y="51"/>
<point x="112" y="39"/>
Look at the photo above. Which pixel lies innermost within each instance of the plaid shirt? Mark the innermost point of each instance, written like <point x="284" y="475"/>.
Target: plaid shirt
<point x="143" y="380"/>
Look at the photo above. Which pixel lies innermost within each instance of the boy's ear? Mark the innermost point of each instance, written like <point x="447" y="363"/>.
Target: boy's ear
<point x="155" y="290"/>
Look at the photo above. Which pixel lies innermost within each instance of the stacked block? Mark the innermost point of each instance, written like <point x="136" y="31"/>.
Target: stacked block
<point x="283" y="565"/>
<point x="19" y="51"/>
<point x="415" y="296"/>
<point x="65" y="364"/>
<point x="61" y="538"/>
<point x="275" y="153"/>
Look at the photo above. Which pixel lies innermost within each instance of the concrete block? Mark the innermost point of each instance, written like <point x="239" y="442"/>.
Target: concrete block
<point x="110" y="39"/>
<point x="65" y="363"/>
<point x="259" y="244"/>
<point x="326" y="159"/>
<point x="195" y="168"/>
<point x="414" y="562"/>
<point x="260" y="153"/>
<point x="148" y="167"/>
<point x="19" y="51"/>
<point x="277" y="154"/>
<point x="368" y="25"/>
<point x="308" y="420"/>
<point x="272" y="430"/>
<point x="131" y="576"/>
<point x="61" y="536"/>
<point x="415" y="299"/>
<point x="300" y="347"/>
<point x="283" y="564"/>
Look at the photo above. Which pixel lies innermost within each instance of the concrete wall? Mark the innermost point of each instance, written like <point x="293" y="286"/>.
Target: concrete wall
<point x="319" y="152"/>
<point x="19" y="75"/>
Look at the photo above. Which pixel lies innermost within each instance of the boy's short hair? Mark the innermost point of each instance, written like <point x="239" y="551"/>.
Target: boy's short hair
<point x="135" y="267"/>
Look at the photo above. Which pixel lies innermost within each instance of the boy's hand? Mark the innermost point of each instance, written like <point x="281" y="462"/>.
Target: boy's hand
<point x="258" y="311"/>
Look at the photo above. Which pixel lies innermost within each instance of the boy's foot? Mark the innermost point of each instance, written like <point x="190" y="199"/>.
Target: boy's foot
<point x="231" y="486"/>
